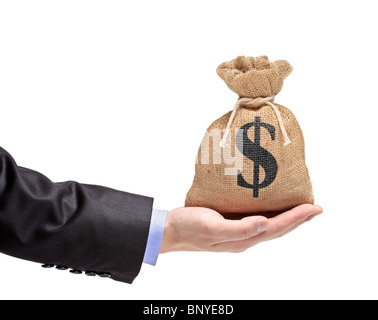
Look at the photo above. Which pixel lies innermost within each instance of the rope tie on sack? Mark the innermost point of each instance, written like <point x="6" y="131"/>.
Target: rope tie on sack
<point x="254" y="103"/>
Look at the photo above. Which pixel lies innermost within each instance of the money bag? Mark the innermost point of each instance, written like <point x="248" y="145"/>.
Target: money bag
<point x="252" y="159"/>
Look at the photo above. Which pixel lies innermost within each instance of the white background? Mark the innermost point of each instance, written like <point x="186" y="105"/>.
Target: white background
<point x="120" y="93"/>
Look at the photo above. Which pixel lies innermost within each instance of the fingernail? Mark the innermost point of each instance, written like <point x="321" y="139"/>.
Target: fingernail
<point x="262" y="225"/>
<point x="318" y="208"/>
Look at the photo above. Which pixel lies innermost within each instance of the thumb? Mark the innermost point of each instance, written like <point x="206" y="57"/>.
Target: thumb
<point x="234" y="230"/>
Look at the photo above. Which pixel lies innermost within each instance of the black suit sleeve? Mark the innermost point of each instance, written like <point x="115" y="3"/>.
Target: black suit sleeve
<point x="80" y="226"/>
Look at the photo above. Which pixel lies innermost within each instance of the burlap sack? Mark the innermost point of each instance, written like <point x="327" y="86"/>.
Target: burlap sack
<point x="252" y="160"/>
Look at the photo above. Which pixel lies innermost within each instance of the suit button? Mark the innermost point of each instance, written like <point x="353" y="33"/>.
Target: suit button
<point x="62" y="268"/>
<point x="104" y="275"/>
<point x="75" y="271"/>
<point x="91" y="273"/>
<point x="47" y="266"/>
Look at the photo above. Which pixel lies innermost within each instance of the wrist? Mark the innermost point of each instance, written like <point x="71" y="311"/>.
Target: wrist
<point x="172" y="241"/>
<point x="166" y="242"/>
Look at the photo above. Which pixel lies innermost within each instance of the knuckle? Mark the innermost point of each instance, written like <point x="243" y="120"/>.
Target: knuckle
<point x="244" y="232"/>
<point x="292" y="214"/>
<point x="213" y="229"/>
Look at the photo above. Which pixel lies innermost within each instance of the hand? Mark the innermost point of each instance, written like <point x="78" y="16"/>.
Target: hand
<point x="202" y="229"/>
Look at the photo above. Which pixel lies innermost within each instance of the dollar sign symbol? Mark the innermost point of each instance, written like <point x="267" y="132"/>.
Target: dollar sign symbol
<point x="261" y="157"/>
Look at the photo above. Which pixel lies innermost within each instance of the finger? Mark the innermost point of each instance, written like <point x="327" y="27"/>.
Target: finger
<point x="290" y="218"/>
<point x="288" y="221"/>
<point x="295" y="226"/>
<point x="234" y="230"/>
<point x="242" y="245"/>
<point x="235" y="246"/>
